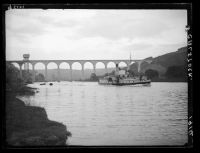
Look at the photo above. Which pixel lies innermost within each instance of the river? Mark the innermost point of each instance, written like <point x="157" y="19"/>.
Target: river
<point x="116" y="115"/>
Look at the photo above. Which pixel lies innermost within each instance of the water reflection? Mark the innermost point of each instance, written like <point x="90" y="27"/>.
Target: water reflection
<point x="46" y="96"/>
<point x="59" y="91"/>
<point x="110" y="115"/>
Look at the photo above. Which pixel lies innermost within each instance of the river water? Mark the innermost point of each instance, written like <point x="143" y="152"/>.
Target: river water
<point x="116" y="115"/>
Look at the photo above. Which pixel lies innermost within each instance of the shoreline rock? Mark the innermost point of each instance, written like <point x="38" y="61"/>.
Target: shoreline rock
<point x="30" y="126"/>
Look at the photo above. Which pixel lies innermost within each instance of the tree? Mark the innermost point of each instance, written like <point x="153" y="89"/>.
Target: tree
<point x="27" y="76"/>
<point x="12" y="73"/>
<point x="151" y="73"/>
<point x="40" y="77"/>
<point x="176" y="72"/>
<point x="131" y="73"/>
<point x="106" y="74"/>
<point x="13" y="79"/>
<point x="93" y="77"/>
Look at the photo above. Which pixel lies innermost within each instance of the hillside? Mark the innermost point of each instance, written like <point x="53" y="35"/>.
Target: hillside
<point x="161" y="63"/>
<point x="177" y="58"/>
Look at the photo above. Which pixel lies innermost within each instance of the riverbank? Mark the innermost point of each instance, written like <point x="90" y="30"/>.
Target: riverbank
<point x="29" y="125"/>
<point x="152" y="80"/>
<point x="168" y="80"/>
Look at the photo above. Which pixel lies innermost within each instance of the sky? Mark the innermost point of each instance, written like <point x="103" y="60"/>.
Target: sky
<point x="93" y="34"/>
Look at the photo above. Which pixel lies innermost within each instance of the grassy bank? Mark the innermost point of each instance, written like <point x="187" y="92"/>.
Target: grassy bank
<point x="29" y="125"/>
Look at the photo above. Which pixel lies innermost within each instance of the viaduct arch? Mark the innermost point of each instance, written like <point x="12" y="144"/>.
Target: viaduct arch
<point x="70" y="62"/>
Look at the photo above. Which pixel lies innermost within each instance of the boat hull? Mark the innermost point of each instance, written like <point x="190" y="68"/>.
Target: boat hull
<point x="125" y="84"/>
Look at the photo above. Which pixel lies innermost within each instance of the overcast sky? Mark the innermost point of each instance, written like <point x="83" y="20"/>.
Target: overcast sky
<point x="93" y="34"/>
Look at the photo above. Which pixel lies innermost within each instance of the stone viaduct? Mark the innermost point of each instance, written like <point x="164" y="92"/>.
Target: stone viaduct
<point x="70" y="62"/>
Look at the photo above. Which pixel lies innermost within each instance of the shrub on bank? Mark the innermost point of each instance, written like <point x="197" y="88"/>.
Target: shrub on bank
<point x="28" y="125"/>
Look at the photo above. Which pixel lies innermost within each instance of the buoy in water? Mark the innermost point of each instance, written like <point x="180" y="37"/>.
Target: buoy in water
<point x="50" y="84"/>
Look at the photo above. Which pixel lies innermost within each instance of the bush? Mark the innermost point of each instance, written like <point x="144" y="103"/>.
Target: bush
<point x="176" y="72"/>
<point x="13" y="79"/>
<point x="151" y="73"/>
<point x="93" y="77"/>
<point x="131" y="73"/>
<point x="40" y="77"/>
<point x="27" y="76"/>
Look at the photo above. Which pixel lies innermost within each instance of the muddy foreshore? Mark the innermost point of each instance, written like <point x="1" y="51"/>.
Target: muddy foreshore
<point x="29" y="125"/>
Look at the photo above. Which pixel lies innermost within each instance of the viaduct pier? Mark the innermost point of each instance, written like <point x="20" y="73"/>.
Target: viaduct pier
<point x="26" y="63"/>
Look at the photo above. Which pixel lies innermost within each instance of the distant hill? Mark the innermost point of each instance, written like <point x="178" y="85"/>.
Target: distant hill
<point x="161" y="63"/>
<point x="177" y="58"/>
